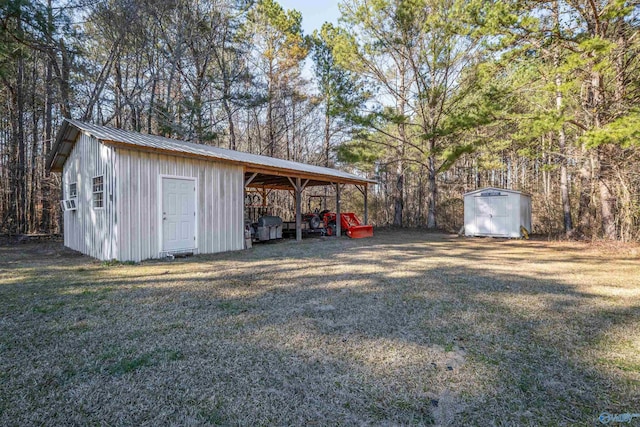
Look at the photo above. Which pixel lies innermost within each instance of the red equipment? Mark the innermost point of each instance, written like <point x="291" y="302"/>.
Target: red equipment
<point x="350" y="223"/>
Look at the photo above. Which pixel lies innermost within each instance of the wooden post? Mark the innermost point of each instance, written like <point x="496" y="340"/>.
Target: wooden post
<point x="338" y="223"/>
<point x="366" y="208"/>
<point x="298" y="188"/>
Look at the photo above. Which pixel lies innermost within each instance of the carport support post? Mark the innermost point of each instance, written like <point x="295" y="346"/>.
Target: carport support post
<point x="366" y="207"/>
<point x="338" y="222"/>
<point x="298" y="209"/>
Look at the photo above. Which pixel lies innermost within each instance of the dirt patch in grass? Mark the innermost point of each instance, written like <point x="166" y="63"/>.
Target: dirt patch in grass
<point x="406" y="328"/>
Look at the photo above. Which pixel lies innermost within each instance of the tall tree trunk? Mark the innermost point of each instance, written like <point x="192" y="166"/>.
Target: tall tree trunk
<point x="21" y="190"/>
<point x="398" y="203"/>
<point x="607" y="194"/>
<point x="270" y="121"/>
<point x="34" y="175"/>
<point x="151" y="109"/>
<point x="118" y="102"/>
<point x="46" y="217"/>
<point x="327" y="130"/>
<point x="13" y="214"/>
<point x="605" y="157"/>
<point x="421" y="198"/>
<point x="562" y="139"/>
<point x="226" y="101"/>
<point x="564" y="185"/>
<point x="47" y="213"/>
<point x="562" y="160"/>
<point x="169" y="119"/>
<point x="294" y="119"/>
<point x="287" y="134"/>
<point x="220" y="54"/>
<point x="400" y="151"/>
<point x="585" y="216"/>
<point x="232" y="130"/>
<point x="227" y="110"/>
<point x="64" y="78"/>
<point x="432" y="191"/>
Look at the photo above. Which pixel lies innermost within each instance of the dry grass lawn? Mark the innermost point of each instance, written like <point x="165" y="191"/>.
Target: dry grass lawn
<point x="406" y="328"/>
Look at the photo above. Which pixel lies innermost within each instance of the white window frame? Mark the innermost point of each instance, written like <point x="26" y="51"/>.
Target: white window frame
<point x="94" y="192"/>
<point x="70" y="195"/>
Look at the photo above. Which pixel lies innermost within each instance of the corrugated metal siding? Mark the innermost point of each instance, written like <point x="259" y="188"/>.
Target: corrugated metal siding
<point x="219" y="201"/>
<point x="86" y="229"/>
<point x="525" y="212"/>
<point x="513" y="215"/>
<point x="515" y="206"/>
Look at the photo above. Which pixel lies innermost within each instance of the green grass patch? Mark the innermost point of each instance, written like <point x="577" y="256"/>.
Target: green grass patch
<point x="174" y="355"/>
<point x="116" y="263"/>
<point x="212" y="417"/>
<point x="99" y="293"/>
<point x="48" y="308"/>
<point x="213" y="414"/>
<point x="624" y="365"/>
<point x="127" y="365"/>
<point x="123" y="362"/>
<point x="233" y="307"/>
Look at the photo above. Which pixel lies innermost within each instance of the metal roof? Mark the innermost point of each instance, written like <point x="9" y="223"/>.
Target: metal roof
<point x="489" y="189"/>
<point x="268" y="168"/>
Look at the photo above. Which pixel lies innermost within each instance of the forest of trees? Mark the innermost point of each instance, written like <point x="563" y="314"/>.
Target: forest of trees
<point x="433" y="98"/>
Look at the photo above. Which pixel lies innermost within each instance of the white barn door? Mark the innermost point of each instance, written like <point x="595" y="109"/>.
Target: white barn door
<point x="178" y="214"/>
<point x="491" y="215"/>
<point x="500" y="223"/>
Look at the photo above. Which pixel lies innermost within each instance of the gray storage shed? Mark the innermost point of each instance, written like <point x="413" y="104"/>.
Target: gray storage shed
<point x="496" y="212"/>
<point x="130" y="196"/>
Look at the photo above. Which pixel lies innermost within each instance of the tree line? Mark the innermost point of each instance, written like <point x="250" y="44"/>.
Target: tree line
<point x="433" y="98"/>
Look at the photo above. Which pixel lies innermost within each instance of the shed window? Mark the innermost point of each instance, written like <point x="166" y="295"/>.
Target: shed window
<point x="98" y="192"/>
<point x="73" y="190"/>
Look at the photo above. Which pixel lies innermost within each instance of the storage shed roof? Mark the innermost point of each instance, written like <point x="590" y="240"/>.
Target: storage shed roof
<point x="490" y="189"/>
<point x="260" y="170"/>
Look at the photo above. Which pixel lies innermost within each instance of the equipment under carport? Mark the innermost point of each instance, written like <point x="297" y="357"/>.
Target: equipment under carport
<point x="324" y="223"/>
<point x="267" y="228"/>
<point x="349" y="223"/>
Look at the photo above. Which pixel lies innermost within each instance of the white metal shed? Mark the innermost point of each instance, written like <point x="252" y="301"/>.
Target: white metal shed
<point x="132" y="196"/>
<point x="496" y="212"/>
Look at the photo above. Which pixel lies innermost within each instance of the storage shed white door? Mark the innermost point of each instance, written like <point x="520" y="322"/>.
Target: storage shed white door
<point x="491" y="215"/>
<point x="178" y="214"/>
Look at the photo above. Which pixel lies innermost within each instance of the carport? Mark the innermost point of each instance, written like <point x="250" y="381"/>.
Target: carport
<point x="270" y="175"/>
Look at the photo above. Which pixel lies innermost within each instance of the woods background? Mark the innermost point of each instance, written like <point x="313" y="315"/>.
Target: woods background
<point x="433" y="98"/>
